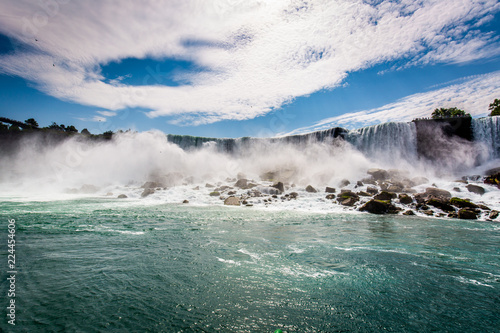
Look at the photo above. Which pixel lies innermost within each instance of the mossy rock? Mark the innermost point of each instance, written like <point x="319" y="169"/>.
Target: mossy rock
<point x="214" y="194"/>
<point x="378" y="207"/>
<point x="467" y="214"/>
<point x="384" y="195"/>
<point x="462" y="203"/>
<point x="442" y="204"/>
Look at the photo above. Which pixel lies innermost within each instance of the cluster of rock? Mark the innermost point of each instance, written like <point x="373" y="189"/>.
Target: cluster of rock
<point x="381" y="192"/>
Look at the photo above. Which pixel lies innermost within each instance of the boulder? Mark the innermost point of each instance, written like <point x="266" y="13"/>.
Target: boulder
<point x="152" y="185"/>
<point x="437" y="193"/>
<point x="467" y="214"/>
<point x="475" y="189"/>
<point x="493" y="214"/>
<point x="241" y="183"/>
<point x="378" y="174"/>
<point x="405" y="199"/>
<point x="209" y="185"/>
<point x="359" y="183"/>
<point x="442" y="204"/>
<point x="456" y="189"/>
<point x="232" y="201"/>
<point x="491" y="172"/>
<point x="364" y="194"/>
<point x="344" y="183"/>
<point x="122" y="196"/>
<point x="310" y="189"/>
<point x="214" y="194"/>
<point x="240" y="176"/>
<point x="378" y="207"/>
<point x="279" y="186"/>
<point x="329" y="190"/>
<point x="384" y="195"/>
<point x="185" y="201"/>
<point x="294" y="195"/>
<point x="349" y="201"/>
<point x="463" y="203"/>
<point x="147" y="191"/>
<point x="409" y="212"/>
<point x="419" y="181"/>
<point x="371" y="190"/>
<point x="330" y="196"/>
<point x="397" y="187"/>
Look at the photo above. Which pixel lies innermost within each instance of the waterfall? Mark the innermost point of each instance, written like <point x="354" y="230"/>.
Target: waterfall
<point x="487" y="131"/>
<point x="390" y="141"/>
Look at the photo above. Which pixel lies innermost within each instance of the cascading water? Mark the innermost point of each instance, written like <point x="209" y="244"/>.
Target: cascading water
<point x="390" y="141"/>
<point x="487" y="131"/>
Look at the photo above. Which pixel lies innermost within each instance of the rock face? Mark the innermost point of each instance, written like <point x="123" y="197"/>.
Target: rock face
<point x="310" y="189"/>
<point x="476" y="189"/>
<point x="232" y="201"/>
<point x="378" y="207"/>
<point x="467" y="214"/>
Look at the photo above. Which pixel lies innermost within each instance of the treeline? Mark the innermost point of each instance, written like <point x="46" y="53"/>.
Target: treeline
<point x="13" y="127"/>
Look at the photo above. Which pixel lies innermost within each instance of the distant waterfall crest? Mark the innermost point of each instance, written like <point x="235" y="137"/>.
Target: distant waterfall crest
<point x="393" y="140"/>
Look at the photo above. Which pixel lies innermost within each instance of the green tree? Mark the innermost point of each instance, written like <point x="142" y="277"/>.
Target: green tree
<point x="494" y="108"/>
<point x="32" y="122"/>
<point x="3" y="128"/>
<point x="85" y="132"/>
<point x="449" y="113"/>
<point x="14" y="128"/>
<point x="71" y="129"/>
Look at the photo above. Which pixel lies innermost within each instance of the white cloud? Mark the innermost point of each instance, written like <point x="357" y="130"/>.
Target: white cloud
<point x="259" y="54"/>
<point x="107" y="113"/>
<point x="473" y="94"/>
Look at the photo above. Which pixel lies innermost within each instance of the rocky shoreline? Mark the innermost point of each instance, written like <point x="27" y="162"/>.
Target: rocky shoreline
<point x="380" y="192"/>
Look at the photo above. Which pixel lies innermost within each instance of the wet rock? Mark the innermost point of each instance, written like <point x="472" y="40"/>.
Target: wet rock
<point x="241" y="183"/>
<point x="438" y="193"/>
<point x="475" y="189"/>
<point x="329" y="190"/>
<point x="122" y="196"/>
<point x="378" y="207"/>
<point x="294" y="195"/>
<point x="330" y="196"/>
<point x="467" y="214"/>
<point x="152" y="185"/>
<point x="349" y="201"/>
<point x="214" y="194"/>
<point x="364" y="194"/>
<point x="185" y="201"/>
<point x="384" y="195"/>
<point x="493" y="214"/>
<point x="405" y="199"/>
<point x="232" y="201"/>
<point x="453" y="215"/>
<point x="359" y="183"/>
<point x="231" y="193"/>
<point x="493" y="179"/>
<point x="409" y="212"/>
<point x="429" y="212"/>
<point x="147" y="191"/>
<point x="369" y="180"/>
<point x="442" y="204"/>
<point x="378" y="174"/>
<point x="463" y="203"/>
<point x="344" y="183"/>
<point x="456" y="189"/>
<point x="419" y="180"/>
<point x="395" y="188"/>
<point x="197" y="188"/>
<point x="209" y="185"/>
<point x="484" y="207"/>
<point x="372" y="190"/>
<point x="310" y="189"/>
<point x="279" y="186"/>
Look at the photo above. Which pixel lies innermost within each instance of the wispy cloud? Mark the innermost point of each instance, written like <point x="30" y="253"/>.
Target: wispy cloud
<point x="94" y="119"/>
<point x="473" y="94"/>
<point x="107" y="113"/>
<point x="258" y="54"/>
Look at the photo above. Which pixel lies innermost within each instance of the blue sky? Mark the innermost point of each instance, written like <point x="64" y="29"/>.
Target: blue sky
<point x="232" y="68"/>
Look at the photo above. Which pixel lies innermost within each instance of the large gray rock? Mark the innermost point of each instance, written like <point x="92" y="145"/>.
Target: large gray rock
<point x="405" y="199"/>
<point x="147" y="191"/>
<point x="329" y="190"/>
<point x="279" y="186"/>
<point x="384" y="195"/>
<point x="378" y="174"/>
<point x="241" y="183"/>
<point x="232" y="201"/>
<point x="438" y="193"/>
<point x="475" y="189"/>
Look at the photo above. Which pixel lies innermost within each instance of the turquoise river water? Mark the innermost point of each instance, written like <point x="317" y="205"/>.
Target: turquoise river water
<point x="105" y="265"/>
